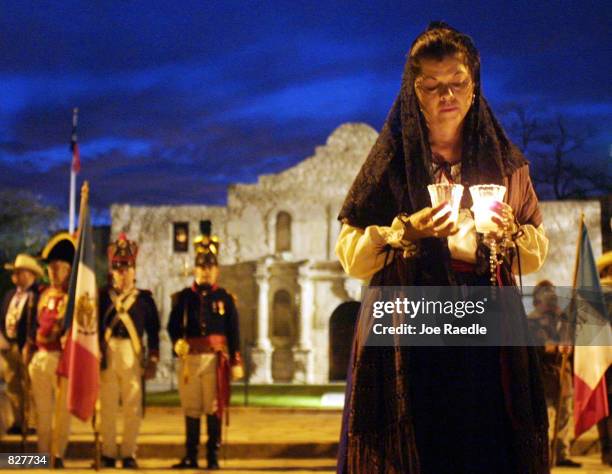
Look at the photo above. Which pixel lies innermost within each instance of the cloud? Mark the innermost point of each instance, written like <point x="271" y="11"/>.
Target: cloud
<point x="44" y="159"/>
<point x="179" y="100"/>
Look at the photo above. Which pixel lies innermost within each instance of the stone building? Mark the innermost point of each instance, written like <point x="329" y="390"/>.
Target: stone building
<point x="277" y="256"/>
<point x="297" y="306"/>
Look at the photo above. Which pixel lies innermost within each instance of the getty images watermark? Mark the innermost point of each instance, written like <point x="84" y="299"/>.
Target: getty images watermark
<point x="480" y="316"/>
<point x="425" y="309"/>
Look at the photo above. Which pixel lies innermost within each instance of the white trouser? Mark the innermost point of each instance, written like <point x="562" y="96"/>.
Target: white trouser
<point x="51" y="405"/>
<point x="199" y="393"/>
<point x="121" y="379"/>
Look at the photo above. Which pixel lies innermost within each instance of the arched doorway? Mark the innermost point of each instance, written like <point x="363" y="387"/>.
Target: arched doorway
<point x="341" y="328"/>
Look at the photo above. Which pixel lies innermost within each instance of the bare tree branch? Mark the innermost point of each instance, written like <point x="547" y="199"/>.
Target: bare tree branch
<point x="552" y="146"/>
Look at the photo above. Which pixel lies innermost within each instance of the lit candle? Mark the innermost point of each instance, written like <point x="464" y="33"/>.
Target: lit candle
<point x="446" y="192"/>
<point x="485" y="196"/>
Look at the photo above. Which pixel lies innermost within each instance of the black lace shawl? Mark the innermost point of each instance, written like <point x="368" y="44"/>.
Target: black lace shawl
<point x="377" y="434"/>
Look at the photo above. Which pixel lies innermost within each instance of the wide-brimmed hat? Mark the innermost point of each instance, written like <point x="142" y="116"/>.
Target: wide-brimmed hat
<point x="62" y="246"/>
<point x="24" y="261"/>
<point x="604" y="261"/>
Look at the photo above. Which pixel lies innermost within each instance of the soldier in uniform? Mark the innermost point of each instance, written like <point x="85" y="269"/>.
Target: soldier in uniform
<point x="53" y="425"/>
<point x="17" y="316"/>
<point x="126" y="315"/>
<point x="604" y="426"/>
<point x="545" y="323"/>
<point x="203" y="327"/>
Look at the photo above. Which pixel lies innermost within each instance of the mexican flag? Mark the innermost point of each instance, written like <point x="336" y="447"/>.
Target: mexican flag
<point x="80" y="361"/>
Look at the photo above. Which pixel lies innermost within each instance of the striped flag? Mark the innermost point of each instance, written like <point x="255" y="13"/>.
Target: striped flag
<point x="593" y="349"/>
<point x="74" y="144"/>
<point x="81" y="357"/>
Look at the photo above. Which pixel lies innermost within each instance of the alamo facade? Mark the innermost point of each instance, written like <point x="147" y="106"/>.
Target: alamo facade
<point x="297" y="307"/>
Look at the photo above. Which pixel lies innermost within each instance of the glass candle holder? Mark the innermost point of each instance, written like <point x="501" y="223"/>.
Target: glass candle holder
<point x="446" y="192"/>
<point x="485" y="196"/>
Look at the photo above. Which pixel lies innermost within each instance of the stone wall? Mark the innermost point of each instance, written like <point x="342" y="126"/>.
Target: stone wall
<point x="311" y="192"/>
<point x="561" y="220"/>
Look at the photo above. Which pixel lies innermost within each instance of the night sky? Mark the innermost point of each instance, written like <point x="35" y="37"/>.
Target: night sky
<point x="179" y="99"/>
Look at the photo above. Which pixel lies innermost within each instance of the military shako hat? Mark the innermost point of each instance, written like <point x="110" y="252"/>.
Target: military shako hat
<point x="206" y="246"/>
<point x="122" y="252"/>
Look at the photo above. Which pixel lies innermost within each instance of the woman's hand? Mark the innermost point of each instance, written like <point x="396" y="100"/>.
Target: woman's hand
<point x="428" y="222"/>
<point x="504" y="219"/>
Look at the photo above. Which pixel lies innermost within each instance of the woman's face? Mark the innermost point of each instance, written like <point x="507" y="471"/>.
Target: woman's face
<point x="445" y="90"/>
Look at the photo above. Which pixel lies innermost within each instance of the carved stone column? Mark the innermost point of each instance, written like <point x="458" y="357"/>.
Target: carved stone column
<point x="302" y="354"/>
<point x="261" y="355"/>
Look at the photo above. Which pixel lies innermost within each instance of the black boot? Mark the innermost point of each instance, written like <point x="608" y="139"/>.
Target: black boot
<point x="605" y="438"/>
<point x="105" y="462"/>
<point x="192" y="440"/>
<point x="129" y="463"/>
<point x="213" y="426"/>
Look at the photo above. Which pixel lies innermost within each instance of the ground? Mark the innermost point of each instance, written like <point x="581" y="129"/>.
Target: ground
<point x="259" y="440"/>
<point x="591" y="465"/>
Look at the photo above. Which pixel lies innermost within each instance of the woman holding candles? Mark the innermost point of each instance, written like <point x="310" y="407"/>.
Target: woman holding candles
<point x="443" y="409"/>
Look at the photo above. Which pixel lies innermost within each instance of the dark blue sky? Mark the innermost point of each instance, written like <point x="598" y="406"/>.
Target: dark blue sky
<point x="179" y="99"/>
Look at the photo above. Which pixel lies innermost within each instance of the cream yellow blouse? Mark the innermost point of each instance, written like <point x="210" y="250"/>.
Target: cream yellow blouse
<point x="361" y="254"/>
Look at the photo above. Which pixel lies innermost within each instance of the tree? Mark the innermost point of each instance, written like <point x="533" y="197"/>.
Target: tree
<point x="554" y="149"/>
<point x="25" y="225"/>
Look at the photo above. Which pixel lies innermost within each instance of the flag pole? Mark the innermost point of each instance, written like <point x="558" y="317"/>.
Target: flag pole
<point x="62" y="383"/>
<point x="565" y="355"/>
<point x="72" y="196"/>
<point x="84" y="202"/>
<point x="73" y="172"/>
<point x="576" y="262"/>
<point x="95" y="422"/>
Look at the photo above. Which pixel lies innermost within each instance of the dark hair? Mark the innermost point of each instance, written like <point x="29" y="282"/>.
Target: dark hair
<point x="545" y="286"/>
<point x="440" y="40"/>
